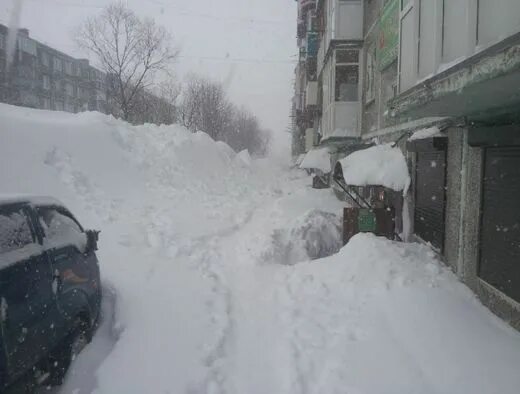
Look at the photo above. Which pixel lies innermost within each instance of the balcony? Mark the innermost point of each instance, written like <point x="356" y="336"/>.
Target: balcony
<point x="341" y="120"/>
<point x="301" y="28"/>
<point x="305" y="6"/>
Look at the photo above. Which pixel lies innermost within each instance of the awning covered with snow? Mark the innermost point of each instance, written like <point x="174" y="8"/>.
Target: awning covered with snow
<point x="422" y="134"/>
<point x="381" y="165"/>
<point x="318" y="159"/>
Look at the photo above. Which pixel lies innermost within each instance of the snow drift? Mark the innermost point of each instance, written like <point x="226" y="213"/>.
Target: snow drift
<point x="159" y="195"/>
<point x="381" y="165"/>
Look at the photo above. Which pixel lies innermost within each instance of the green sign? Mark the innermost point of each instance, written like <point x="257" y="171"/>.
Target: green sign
<point x="388" y="46"/>
<point x="367" y="221"/>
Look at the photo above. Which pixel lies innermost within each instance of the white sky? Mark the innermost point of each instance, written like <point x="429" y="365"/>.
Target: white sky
<point x="249" y="43"/>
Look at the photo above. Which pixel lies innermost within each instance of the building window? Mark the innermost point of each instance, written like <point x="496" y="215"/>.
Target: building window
<point x="496" y="21"/>
<point x="77" y="70"/>
<point x="27" y="45"/>
<point x="45" y="59"/>
<point x="68" y="68"/>
<point x="370" y="73"/>
<point x="69" y="89"/>
<point x="46" y="82"/>
<point x="58" y="64"/>
<point x="408" y="49"/>
<point x="2" y="42"/>
<point x="427" y="38"/>
<point x="46" y="103"/>
<point x="454" y="37"/>
<point x="347" y="75"/>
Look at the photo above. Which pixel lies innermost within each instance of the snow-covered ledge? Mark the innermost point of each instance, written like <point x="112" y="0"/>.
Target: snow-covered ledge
<point x="317" y="159"/>
<point x="381" y="165"/>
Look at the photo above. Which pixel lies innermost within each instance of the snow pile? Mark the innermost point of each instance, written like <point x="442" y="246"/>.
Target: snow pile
<point x="384" y="317"/>
<point x="311" y="236"/>
<point x="318" y="159"/>
<point x="243" y="158"/>
<point x="422" y="134"/>
<point x="160" y="196"/>
<point x="381" y="165"/>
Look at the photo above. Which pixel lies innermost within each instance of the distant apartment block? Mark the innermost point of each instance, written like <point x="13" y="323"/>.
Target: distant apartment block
<point x="45" y="78"/>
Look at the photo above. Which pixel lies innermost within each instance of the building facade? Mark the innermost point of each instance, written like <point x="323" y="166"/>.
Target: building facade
<point x="305" y="104"/>
<point x="451" y="70"/>
<point x="45" y="78"/>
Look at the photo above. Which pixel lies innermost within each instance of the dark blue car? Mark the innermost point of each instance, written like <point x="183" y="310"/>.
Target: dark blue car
<point x="50" y="291"/>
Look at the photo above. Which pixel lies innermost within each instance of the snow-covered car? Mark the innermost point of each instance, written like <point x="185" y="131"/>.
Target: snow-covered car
<point x="50" y="291"/>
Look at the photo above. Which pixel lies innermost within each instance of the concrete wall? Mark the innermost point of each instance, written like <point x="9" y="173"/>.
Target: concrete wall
<point x="454" y="192"/>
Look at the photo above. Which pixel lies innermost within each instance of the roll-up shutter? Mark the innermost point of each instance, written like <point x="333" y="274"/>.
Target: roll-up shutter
<point x="500" y="223"/>
<point x="430" y="196"/>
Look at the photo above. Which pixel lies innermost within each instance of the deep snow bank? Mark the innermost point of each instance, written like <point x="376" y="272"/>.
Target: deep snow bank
<point x="386" y="317"/>
<point x="159" y="195"/>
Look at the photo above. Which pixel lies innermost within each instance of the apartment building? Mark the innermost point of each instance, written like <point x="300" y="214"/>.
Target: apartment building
<point x="45" y="78"/>
<point x="447" y="72"/>
<point x="305" y="105"/>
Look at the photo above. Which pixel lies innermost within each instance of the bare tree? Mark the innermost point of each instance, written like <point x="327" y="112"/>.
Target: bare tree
<point x="131" y="50"/>
<point x="205" y="107"/>
<point x="247" y="134"/>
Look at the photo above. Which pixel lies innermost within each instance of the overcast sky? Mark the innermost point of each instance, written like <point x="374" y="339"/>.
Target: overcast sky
<point x="250" y="43"/>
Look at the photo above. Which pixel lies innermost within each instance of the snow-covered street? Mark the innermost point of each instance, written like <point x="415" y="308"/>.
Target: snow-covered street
<point x="211" y="280"/>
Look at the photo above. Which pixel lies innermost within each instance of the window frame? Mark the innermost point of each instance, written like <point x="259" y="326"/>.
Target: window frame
<point x="356" y="64"/>
<point x="46" y="82"/>
<point x="57" y="64"/>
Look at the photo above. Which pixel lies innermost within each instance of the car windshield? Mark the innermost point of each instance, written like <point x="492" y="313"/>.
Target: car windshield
<point x="275" y="196"/>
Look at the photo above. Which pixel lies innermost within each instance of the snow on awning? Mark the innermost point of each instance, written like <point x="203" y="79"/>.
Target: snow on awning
<point x="425" y="133"/>
<point x="380" y="165"/>
<point x="318" y="159"/>
<point x="299" y="159"/>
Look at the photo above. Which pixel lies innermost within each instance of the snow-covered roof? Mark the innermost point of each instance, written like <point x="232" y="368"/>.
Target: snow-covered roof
<point x="317" y="159"/>
<point x="422" y="134"/>
<point x="28" y="198"/>
<point x="381" y="165"/>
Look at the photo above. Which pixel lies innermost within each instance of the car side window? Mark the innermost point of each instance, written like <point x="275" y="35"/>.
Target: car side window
<point x="58" y="224"/>
<point x="15" y="230"/>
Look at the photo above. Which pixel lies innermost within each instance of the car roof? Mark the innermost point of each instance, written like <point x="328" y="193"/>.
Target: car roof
<point x="28" y="199"/>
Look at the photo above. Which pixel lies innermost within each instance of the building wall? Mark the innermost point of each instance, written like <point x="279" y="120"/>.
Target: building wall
<point x="455" y="192"/>
<point x="436" y="35"/>
<point x="463" y="214"/>
<point x="42" y="77"/>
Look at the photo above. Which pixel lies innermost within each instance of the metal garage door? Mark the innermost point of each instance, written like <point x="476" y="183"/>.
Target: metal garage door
<point x="500" y="224"/>
<point x="430" y="196"/>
